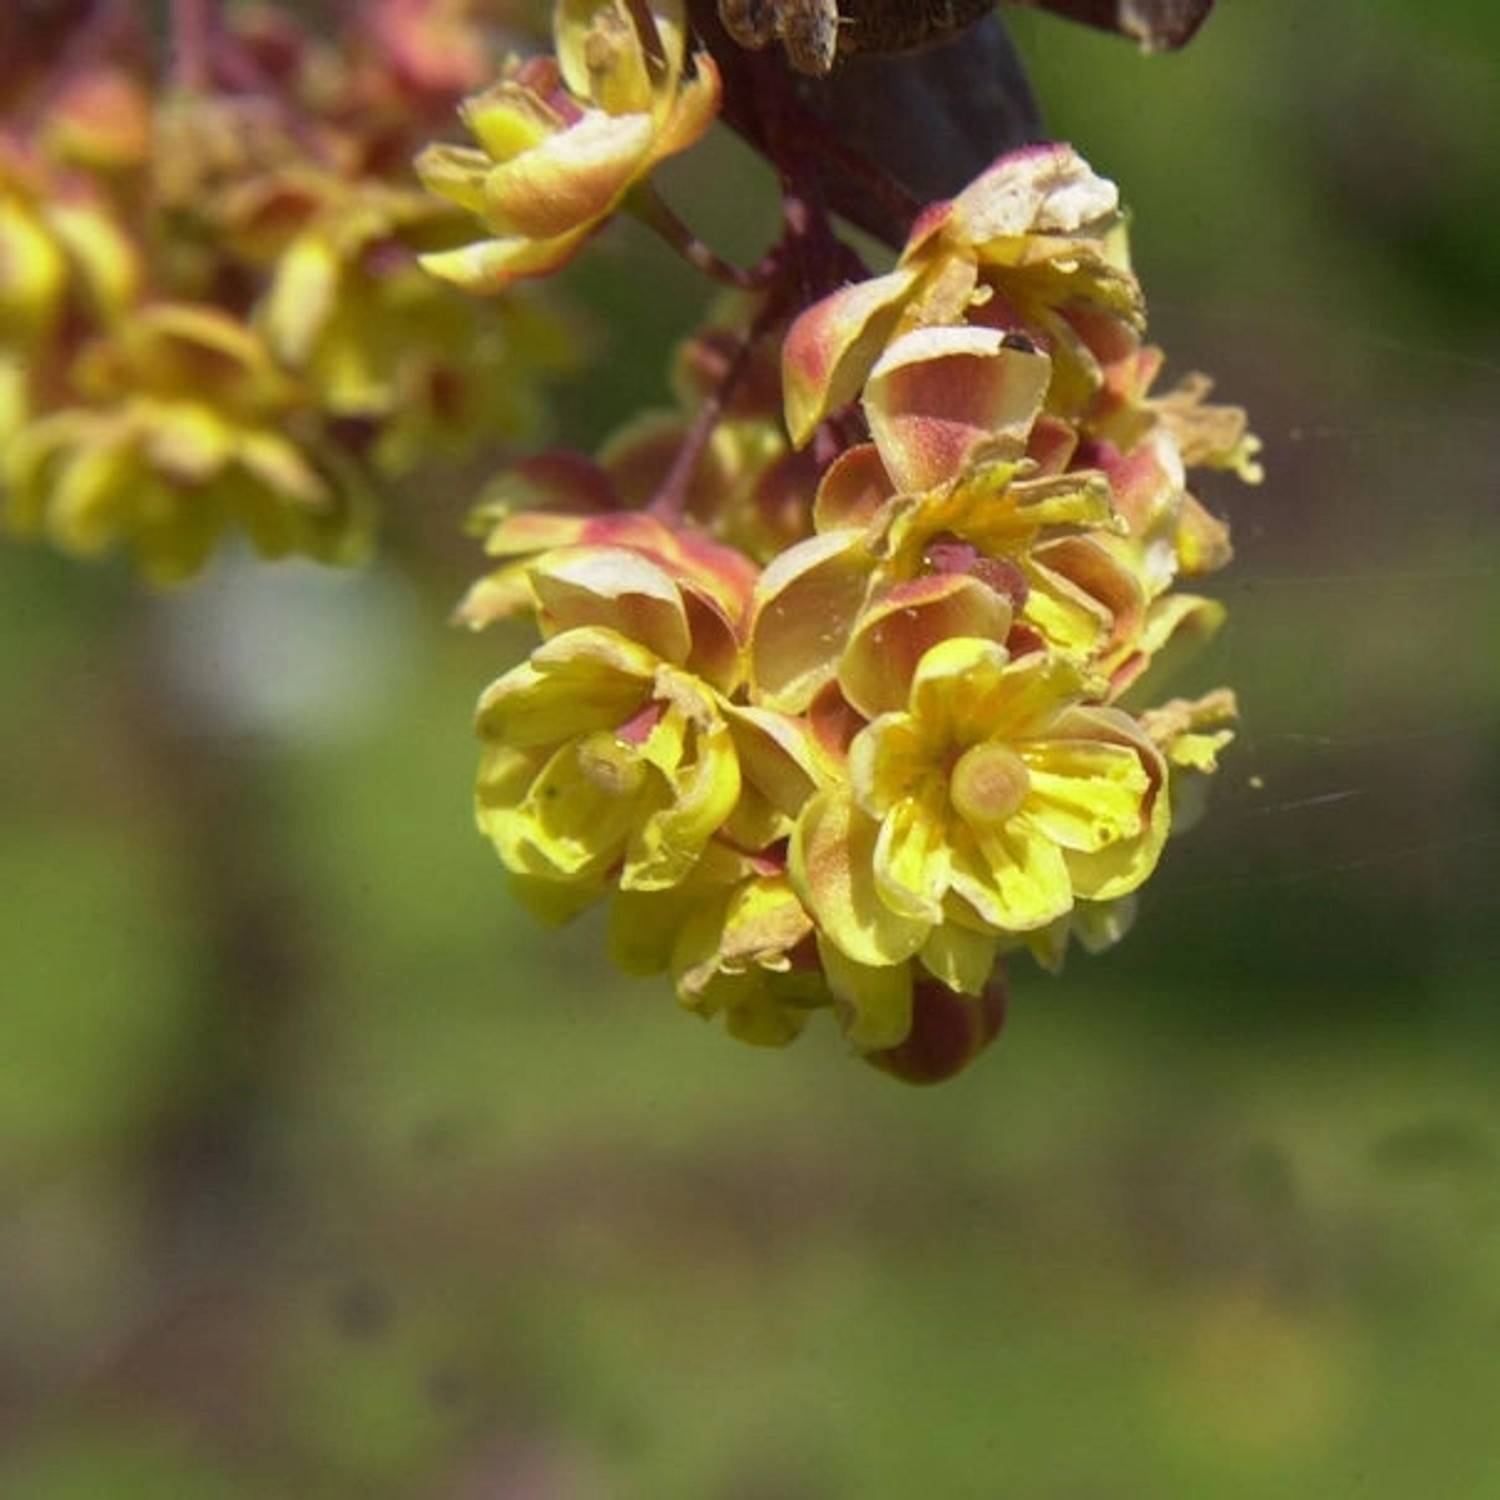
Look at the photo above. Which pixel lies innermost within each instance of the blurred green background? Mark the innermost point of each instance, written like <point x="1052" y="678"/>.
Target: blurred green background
<point x="326" y="1174"/>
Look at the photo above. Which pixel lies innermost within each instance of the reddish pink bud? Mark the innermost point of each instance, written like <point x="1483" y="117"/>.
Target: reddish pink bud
<point x="948" y="1031"/>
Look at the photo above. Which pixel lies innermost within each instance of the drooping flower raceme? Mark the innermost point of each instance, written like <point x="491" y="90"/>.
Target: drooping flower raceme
<point x="854" y="665"/>
<point x="843" y="734"/>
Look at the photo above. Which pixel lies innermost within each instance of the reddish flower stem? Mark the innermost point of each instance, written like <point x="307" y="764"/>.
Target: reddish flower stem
<point x="647" y="205"/>
<point x="194" y="24"/>
<point x="669" y="504"/>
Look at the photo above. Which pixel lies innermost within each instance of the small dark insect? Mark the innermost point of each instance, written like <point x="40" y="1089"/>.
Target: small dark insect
<point x="808" y="30"/>
<point x="814" y="32"/>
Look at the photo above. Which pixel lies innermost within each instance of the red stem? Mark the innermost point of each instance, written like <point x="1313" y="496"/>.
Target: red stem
<point x="670" y="501"/>
<point x="194" y="27"/>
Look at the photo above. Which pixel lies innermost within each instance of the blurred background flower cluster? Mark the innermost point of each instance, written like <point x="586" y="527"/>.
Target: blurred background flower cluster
<point x="326" y="1174"/>
<point x="213" y="317"/>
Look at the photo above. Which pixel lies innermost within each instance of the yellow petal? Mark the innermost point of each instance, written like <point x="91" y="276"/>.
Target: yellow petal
<point x="938" y="394"/>
<point x="1015" y="878"/>
<point x="456" y="173"/>
<point x="507" y="120"/>
<point x="874" y="1002"/>
<point x="831" y="859"/>
<point x="490" y="266"/>
<point x="960" y="956"/>
<point x="829" y="349"/>
<point x="92" y="496"/>
<point x="1085" y="794"/>
<point x="301" y="298"/>
<point x="703" y="792"/>
<point x="571" y="180"/>
<point x="573" y="684"/>
<point x="804" y="604"/>
<point x="913" y="862"/>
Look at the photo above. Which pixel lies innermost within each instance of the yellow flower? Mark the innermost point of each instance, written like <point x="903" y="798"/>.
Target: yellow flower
<point x="614" y="755"/>
<point x="603" y="764"/>
<point x="612" y="764"/>
<point x="987" y="805"/>
<point x="561" y="143"/>
<point x="189" y="430"/>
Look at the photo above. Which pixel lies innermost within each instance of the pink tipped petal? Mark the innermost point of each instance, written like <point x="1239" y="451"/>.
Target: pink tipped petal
<point x="938" y="394"/>
<point x="853" y="488"/>
<point x="829" y="349"/>
<point x="617" y="589"/>
<point x="573" y="178"/>
<point x="898" y="627"/>
<point x="1097" y="602"/>
<point x="831" y="859"/>
<point x="715" y="651"/>
<point x="804" y="605"/>
<point x="778" y="756"/>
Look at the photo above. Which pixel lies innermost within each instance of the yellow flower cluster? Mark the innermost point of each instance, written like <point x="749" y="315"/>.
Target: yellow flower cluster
<point x="563" y="140"/>
<point x="852" y="669"/>
<point x="840" y="727"/>
<point x="212" y="315"/>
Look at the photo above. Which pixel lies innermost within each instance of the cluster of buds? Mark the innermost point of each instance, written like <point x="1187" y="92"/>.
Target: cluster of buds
<point x="212" y="314"/>
<point x="851" y="673"/>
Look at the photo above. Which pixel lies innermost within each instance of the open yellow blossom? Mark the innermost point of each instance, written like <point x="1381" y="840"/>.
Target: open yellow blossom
<point x="609" y="758"/>
<point x="996" y="798"/>
<point x="602" y="764"/>
<point x="562" y="142"/>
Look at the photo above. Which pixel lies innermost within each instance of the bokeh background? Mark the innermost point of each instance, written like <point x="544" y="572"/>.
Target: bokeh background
<point x="325" y="1173"/>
